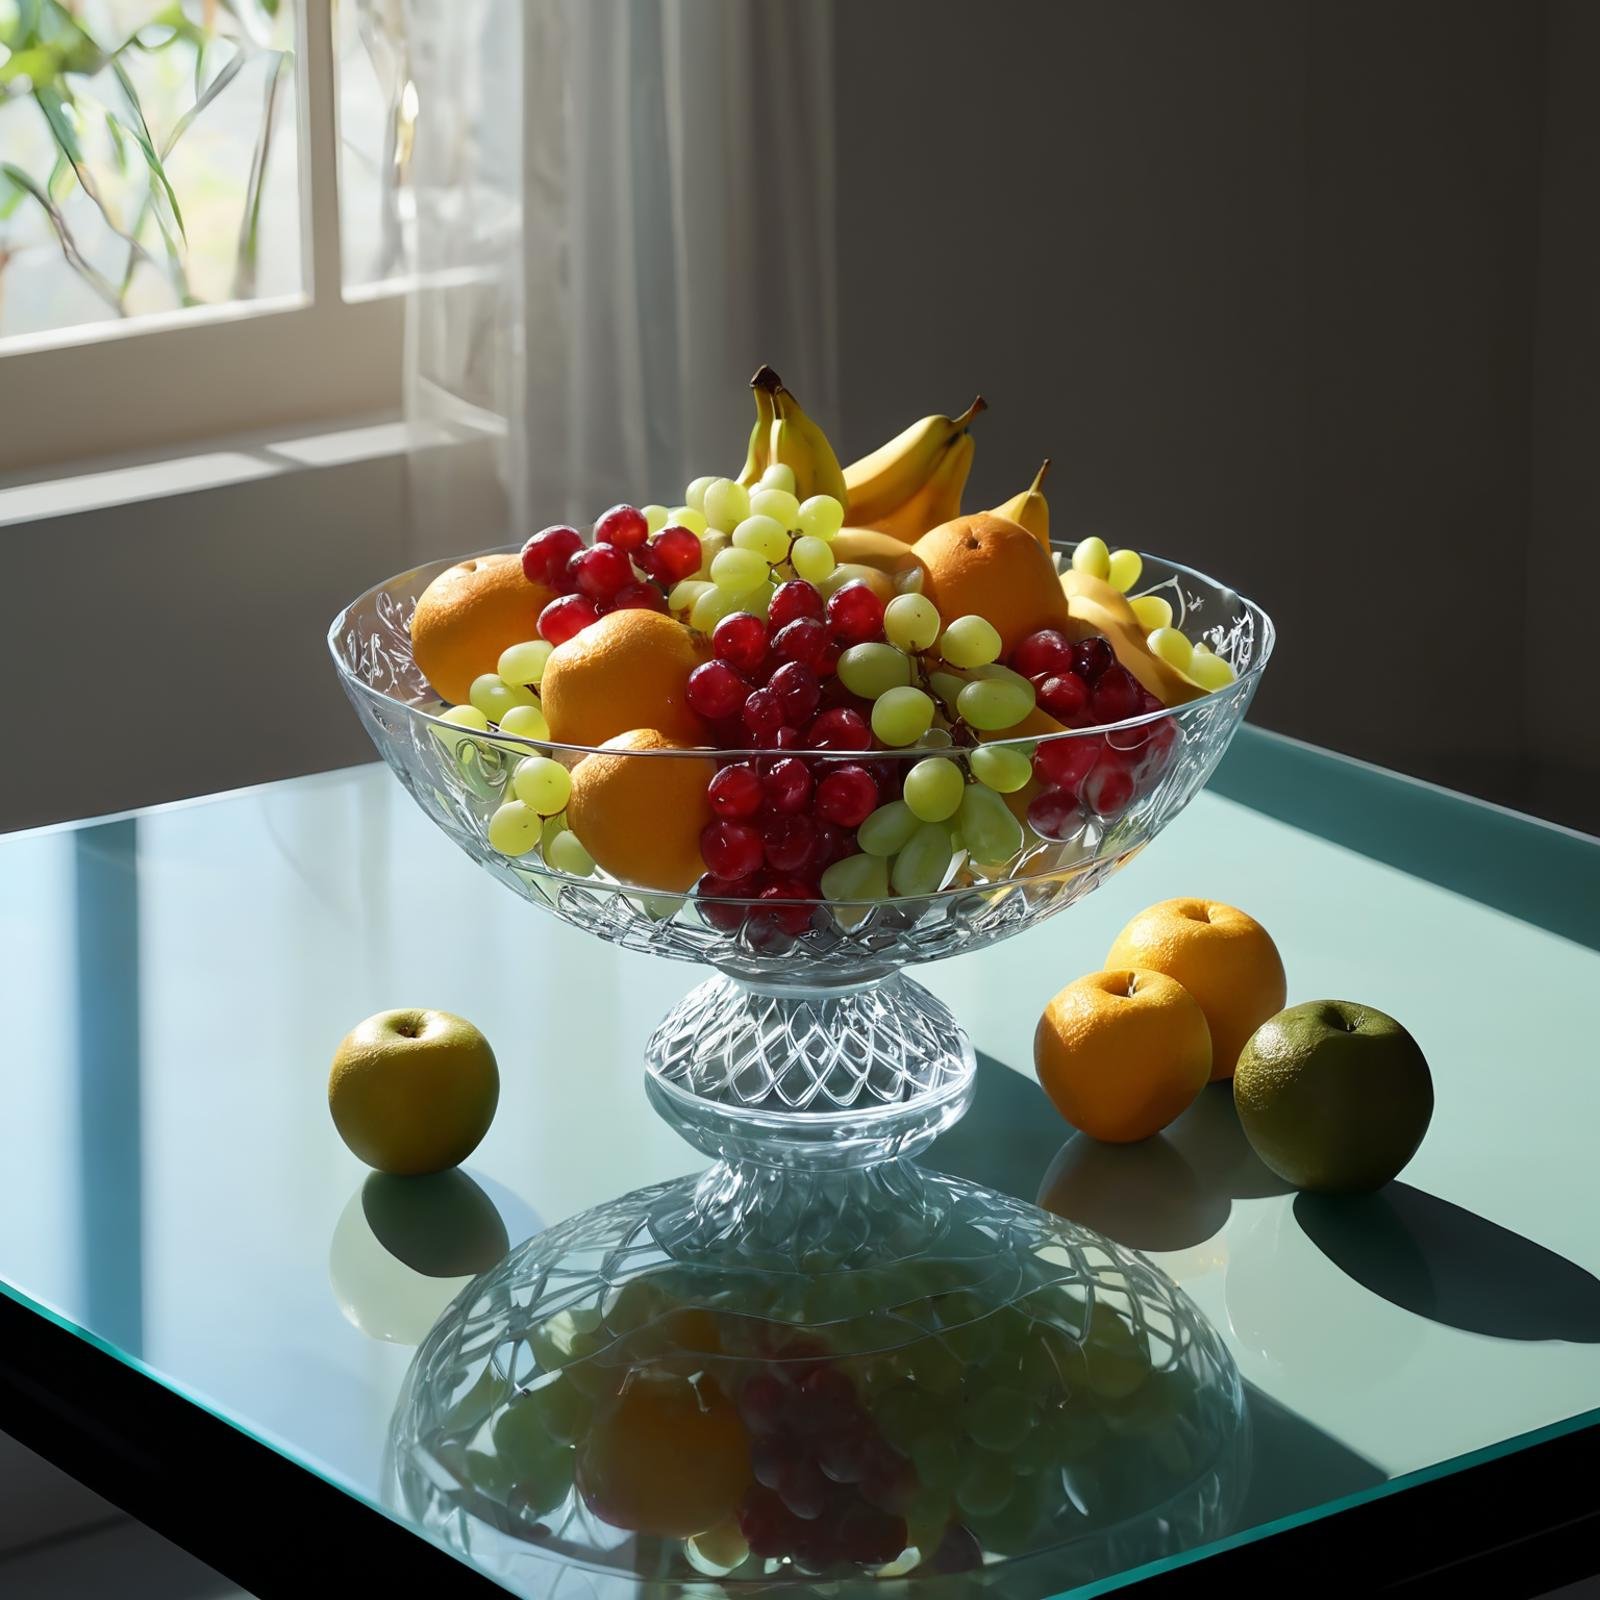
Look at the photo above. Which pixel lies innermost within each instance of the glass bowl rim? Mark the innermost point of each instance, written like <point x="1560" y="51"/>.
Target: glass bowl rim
<point x="538" y="747"/>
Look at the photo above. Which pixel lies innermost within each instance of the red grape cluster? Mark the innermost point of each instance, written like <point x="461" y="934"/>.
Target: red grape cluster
<point x="1082" y="685"/>
<point x="829" y="1490"/>
<point x="624" y="568"/>
<point x="782" y="820"/>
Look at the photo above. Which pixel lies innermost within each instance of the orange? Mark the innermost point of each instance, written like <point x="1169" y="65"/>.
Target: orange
<point x="640" y="816"/>
<point x="1122" y="1053"/>
<point x="670" y="1458"/>
<point x="468" y="615"/>
<point x="992" y="568"/>
<point x="628" y="670"/>
<point x="1225" y="959"/>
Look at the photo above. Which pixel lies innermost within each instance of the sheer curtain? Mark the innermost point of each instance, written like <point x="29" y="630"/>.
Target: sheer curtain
<point x="624" y="207"/>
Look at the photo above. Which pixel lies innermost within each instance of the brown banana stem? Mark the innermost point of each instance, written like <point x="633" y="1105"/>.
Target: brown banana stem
<point x="980" y="404"/>
<point x="767" y="379"/>
<point x="1038" y="477"/>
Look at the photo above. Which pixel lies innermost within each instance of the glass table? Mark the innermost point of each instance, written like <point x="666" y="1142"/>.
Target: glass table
<point x="209" y="1305"/>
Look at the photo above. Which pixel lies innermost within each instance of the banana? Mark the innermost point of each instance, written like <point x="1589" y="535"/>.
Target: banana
<point x="799" y="443"/>
<point x="936" y="500"/>
<point x="1030" y="509"/>
<point x="757" y="459"/>
<point x="895" y="472"/>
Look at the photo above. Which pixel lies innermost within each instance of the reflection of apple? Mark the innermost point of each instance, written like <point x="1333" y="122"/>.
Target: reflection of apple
<point x="1334" y="1096"/>
<point x="413" y="1091"/>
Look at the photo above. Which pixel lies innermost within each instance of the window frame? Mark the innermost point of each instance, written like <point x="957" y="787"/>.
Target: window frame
<point x="155" y="382"/>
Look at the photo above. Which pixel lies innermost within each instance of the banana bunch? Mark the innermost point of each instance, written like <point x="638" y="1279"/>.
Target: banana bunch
<point x="914" y="482"/>
<point x="784" y="435"/>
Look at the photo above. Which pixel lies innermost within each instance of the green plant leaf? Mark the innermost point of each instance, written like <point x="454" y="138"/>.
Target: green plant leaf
<point x="64" y="236"/>
<point x="244" y="272"/>
<point x="230" y="71"/>
<point x="39" y="64"/>
<point x="119" y="146"/>
<point x="141" y="137"/>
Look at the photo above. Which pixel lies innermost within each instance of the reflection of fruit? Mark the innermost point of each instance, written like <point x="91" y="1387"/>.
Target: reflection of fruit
<point x="668" y="1458"/>
<point x="1224" y="958"/>
<point x="413" y="1091"/>
<point x="641" y="816"/>
<point x="1030" y="509"/>
<point x="922" y="469"/>
<point x="986" y="566"/>
<point x="628" y="670"/>
<point x="1122" y="1053"/>
<point x="1334" y="1096"/>
<point x="468" y="615"/>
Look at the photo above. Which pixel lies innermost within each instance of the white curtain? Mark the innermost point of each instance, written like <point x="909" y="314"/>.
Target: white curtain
<point x="624" y="207"/>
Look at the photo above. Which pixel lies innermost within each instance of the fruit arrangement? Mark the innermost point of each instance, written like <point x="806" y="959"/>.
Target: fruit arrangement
<point x="871" y="696"/>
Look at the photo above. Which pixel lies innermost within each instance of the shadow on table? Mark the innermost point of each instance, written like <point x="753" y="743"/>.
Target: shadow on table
<point x="1164" y="1193"/>
<point x="1294" y="1465"/>
<point x="1452" y="1266"/>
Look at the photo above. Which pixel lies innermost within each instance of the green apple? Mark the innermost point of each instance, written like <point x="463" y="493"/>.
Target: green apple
<point x="1334" y="1096"/>
<point x="413" y="1091"/>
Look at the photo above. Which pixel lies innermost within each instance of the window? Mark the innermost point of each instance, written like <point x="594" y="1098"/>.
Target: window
<point x="203" y="217"/>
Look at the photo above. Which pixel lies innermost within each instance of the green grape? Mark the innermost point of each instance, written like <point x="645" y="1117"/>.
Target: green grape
<point x="1173" y="648"/>
<point x="888" y="829"/>
<point x="688" y="517"/>
<point x="685" y="593"/>
<point x="1152" y="611"/>
<point x="933" y="789"/>
<point x="911" y="621"/>
<point x="738" y="569"/>
<point x="711" y="546"/>
<point x="526" y="722"/>
<point x="711" y="607"/>
<point x="903" y="1414"/>
<point x="986" y="1485"/>
<point x="545" y="1482"/>
<point x="655" y="518"/>
<point x="764" y="537"/>
<point x="970" y="641"/>
<point x="991" y="832"/>
<point x="756" y="600"/>
<point x="921" y="865"/>
<point x="1001" y="766"/>
<point x="494" y="698"/>
<point x="937" y="1460"/>
<point x="901" y="716"/>
<point x="780" y="475"/>
<point x="992" y="704"/>
<point x="1092" y="557"/>
<point x="566" y="854"/>
<point x="779" y="504"/>
<point x="1208" y="669"/>
<point x="861" y="877"/>
<point x="466" y="717"/>
<point x="996" y="672"/>
<point x="725" y="503"/>
<point x="488" y="1474"/>
<point x="811" y="558"/>
<point x="998" y="1418"/>
<point x="1123" y="569"/>
<point x="946" y="688"/>
<point x="515" y="828"/>
<point x="821" y="516"/>
<point x="873" y="669"/>
<point x="543" y="784"/>
<point x="936" y="739"/>
<point x="695" y="495"/>
<point x="524" y="663"/>
<point x="561" y="1408"/>
<point x="547" y="834"/>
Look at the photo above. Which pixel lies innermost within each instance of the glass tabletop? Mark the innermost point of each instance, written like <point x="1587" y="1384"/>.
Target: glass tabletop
<point x="172" y="1188"/>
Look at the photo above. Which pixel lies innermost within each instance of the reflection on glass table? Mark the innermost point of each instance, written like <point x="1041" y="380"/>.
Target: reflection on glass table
<point x="206" y="1302"/>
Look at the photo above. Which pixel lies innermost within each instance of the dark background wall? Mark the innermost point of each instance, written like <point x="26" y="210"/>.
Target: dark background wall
<point x="1301" y="291"/>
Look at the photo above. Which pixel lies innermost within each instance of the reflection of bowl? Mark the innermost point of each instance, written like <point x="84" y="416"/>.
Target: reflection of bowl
<point x="852" y="1374"/>
<point x="791" y="1032"/>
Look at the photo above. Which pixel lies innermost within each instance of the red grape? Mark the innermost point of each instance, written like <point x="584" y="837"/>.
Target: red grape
<point x="715" y="690"/>
<point x="725" y="918"/>
<point x="1109" y="789"/>
<point x="803" y="1489"/>
<point x="787" y="738"/>
<point x="793" y="599"/>
<point x="870" y="1537"/>
<point x="787" y="785"/>
<point x="735" y="792"/>
<point x="768" y="1525"/>
<point x="731" y="849"/>
<point x="1064" y="763"/>
<point x="761" y="1403"/>
<point x="789" y="842"/>
<point x="1063" y="697"/>
<point x="833" y="844"/>
<point x="546" y="554"/>
<point x="763" y="711"/>
<point x="847" y="795"/>
<point x="855" y="614"/>
<point x="677" y="552"/>
<point x="797" y="687"/>
<point x="791" y="919"/>
<point x="600" y="571"/>
<point x="804" y="640"/>
<point x="740" y="640"/>
<point x="638" y="597"/>
<point x="1116" y="695"/>
<point x="1054" y="814"/>
<point x="1047" y="653"/>
<point x="1091" y="657"/>
<point x="622" y="526"/>
<point x="839" y="729"/>
<point x="566" y="615"/>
